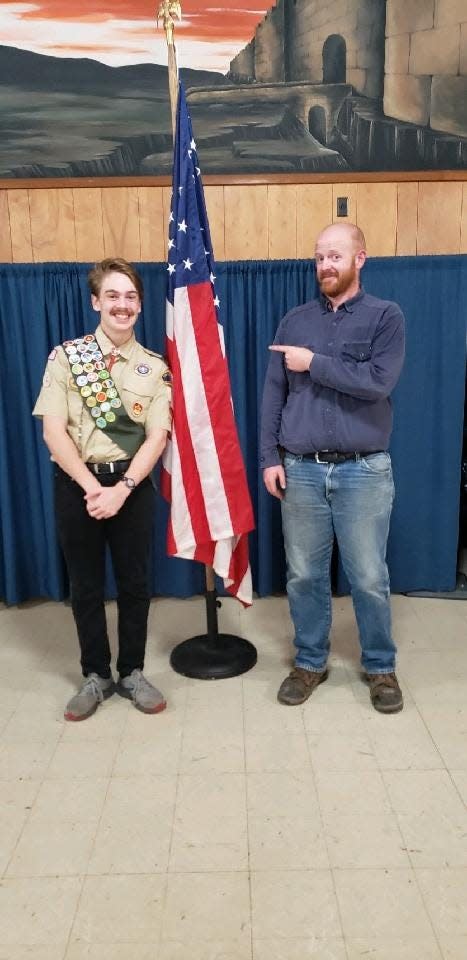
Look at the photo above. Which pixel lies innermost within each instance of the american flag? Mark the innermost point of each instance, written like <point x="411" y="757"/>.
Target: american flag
<point x="203" y="474"/>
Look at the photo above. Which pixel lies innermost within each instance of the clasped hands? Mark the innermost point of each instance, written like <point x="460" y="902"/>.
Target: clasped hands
<point x="105" y="502"/>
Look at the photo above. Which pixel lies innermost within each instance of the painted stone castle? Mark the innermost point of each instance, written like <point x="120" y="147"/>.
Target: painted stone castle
<point x="410" y="56"/>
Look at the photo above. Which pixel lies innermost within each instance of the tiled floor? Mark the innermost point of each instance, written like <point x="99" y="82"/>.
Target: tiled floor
<point x="230" y="827"/>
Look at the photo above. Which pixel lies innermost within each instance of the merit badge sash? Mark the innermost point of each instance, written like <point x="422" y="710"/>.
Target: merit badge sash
<point x="100" y="395"/>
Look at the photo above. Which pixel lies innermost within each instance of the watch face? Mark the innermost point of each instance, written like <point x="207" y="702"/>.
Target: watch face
<point x="129" y="482"/>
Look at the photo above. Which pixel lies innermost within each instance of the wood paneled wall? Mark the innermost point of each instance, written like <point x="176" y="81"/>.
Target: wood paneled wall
<point x="248" y="221"/>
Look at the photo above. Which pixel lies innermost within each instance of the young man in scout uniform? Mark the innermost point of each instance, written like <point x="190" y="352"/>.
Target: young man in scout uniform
<point x="105" y="405"/>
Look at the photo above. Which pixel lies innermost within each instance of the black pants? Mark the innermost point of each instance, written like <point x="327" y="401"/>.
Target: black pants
<point x="83" y="541"/>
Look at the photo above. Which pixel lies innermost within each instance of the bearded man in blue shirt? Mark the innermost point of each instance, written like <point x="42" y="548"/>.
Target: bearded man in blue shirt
<point x="326" y="424"/>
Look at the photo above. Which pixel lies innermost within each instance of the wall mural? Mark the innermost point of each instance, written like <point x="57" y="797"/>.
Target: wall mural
<point x="316" y="86"/>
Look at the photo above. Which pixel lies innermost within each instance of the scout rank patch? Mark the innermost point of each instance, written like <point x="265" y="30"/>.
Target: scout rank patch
<point x="92" y="379"/>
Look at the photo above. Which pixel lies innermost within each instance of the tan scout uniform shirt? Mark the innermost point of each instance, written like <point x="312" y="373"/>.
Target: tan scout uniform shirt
<point x="144" y="394"/>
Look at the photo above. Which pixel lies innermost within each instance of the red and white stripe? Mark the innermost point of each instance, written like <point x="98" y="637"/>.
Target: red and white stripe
<point x="203" y="473"/>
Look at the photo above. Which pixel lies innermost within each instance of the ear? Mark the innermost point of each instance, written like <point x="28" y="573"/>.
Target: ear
<point x="95" y="302"/>
<point x="360" y="258"/>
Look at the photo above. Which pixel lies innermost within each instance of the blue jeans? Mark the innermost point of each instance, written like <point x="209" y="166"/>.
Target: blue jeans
<point x="352" y="500"/>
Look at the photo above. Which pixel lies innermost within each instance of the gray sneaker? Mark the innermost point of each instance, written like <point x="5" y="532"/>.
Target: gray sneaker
<point x="94" y="690"/>
<point x="145" y="697"/>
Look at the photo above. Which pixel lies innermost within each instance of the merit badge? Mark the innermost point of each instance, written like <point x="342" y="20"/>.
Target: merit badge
<point x="101" y="397"/>
<point x="75" y="357"/>
<point x="96" y="411"/>
<point x="88" y="338"/>
<point x="137" y="409"/>
<point x="99" y="365"/>
<point x="105" y="407"/>
<point x="91" y="401"/>
<point x="110" y="416"/>
<point x="101" y="422"/>
<point x="82" y="380"/>
<point x="85" y="391"/>
<point x="143" y="369"/>
<point x="92" y="377"/>
<point x="76" y="368"/>
<point x="52" y="354"/>
<point x="115" y="402"/>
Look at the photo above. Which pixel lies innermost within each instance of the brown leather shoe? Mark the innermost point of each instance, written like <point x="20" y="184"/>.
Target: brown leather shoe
<point x="385" y="692"/>
<point x="299" y="685"/>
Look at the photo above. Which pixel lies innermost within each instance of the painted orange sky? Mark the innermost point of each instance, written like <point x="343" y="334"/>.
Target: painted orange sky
<point x="119" y="32"/>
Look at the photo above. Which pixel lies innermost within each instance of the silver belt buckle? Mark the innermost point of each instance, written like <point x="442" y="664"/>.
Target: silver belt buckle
<point x="112" y="466"/>
<point x="318" y="460"/>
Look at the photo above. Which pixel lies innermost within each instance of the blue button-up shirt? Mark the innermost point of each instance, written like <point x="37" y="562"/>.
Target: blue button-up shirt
<point x="342" y="402"/>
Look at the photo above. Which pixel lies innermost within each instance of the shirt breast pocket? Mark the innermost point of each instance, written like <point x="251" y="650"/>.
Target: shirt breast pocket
<point x="137" y="393"/>
<point x="358" y="350"/>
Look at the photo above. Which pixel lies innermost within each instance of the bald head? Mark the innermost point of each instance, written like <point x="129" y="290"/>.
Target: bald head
<point x="347" y="233"/>
<point x="340" y="254"/>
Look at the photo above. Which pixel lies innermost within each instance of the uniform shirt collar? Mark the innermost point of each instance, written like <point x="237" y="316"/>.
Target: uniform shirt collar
<point x="348" y="305"/>
<point x="107" y="346"/>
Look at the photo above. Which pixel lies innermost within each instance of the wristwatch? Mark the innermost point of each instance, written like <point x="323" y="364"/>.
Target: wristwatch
<point x="128" y="481"/>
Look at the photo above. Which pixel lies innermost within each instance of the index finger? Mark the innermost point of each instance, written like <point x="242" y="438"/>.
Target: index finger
<point x="278" y="347"/>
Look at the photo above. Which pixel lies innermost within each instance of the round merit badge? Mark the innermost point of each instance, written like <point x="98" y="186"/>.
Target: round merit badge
<point x="101" y="422"/>
<point x="143" y="369"/>
<point x="137" y="409"/>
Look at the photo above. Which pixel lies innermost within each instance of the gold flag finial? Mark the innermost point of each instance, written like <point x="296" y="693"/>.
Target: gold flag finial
<point x="168" y="11"/>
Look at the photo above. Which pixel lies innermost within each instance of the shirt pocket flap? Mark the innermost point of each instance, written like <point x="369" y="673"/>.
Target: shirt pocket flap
<point x="357" y="349"/>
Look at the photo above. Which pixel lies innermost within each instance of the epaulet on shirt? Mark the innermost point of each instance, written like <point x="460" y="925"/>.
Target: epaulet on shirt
<point x="152" y="353"/>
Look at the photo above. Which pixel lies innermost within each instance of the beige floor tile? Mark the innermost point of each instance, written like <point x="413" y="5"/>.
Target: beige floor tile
<point x="459" y="778"/>
<point x="155" y="754"/>
<point x="344" y="793"/>
<point x="72" y="801"/>
<point x="219" y="751"/>
<point x="393" y="949"/>
<point x="263" y="714"/>
<point x="286" y="843"/>
<point x="286" y="792"/>
<point x="135" y="826"/>
<point x="341" y="753"/>
<point x="210" y="826"/>
<point x="402" y="741"/>
<point x="454" y="948"/>
<point x="120" y="909"/>
<point x="445" y="894"/>
<point x="447" y="724"/>
<point x="269" y="753"/>
<point x="209" y="844"/>
<point x="37" y="911"/>
<point x="201" y="906"/>
<point x="16" y="800"/>
<point x="112" y="951"/>
<point x="204" y="950"/>
<point x="49" y="952"/>
<point x="295" y="904"/>
<point x="132" y="844"/>
<point x="365" y="840"/>
<point x="311" y="949"/>
<point x="421" y="800"/>
<point x="344" y="719"/>
<point x="30" y="724"/>
<point x="82" y="760"/>
<point x="361" y="894"/>
<point x="25" y="760"/>
<point x="48" y="849"/>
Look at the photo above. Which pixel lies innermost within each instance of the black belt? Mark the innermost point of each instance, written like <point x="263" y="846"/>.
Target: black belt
<point x="335" y="456"/>
<point x="115" y="466"/>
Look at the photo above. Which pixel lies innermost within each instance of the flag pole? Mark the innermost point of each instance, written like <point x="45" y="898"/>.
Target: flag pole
<point x="209" y="656"/>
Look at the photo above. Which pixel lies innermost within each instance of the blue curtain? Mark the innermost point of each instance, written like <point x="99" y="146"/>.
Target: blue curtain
<point x="41" y="305"/>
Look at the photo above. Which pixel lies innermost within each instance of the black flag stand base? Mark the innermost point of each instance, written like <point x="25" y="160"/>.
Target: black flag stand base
<point x="213" y="655"/>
